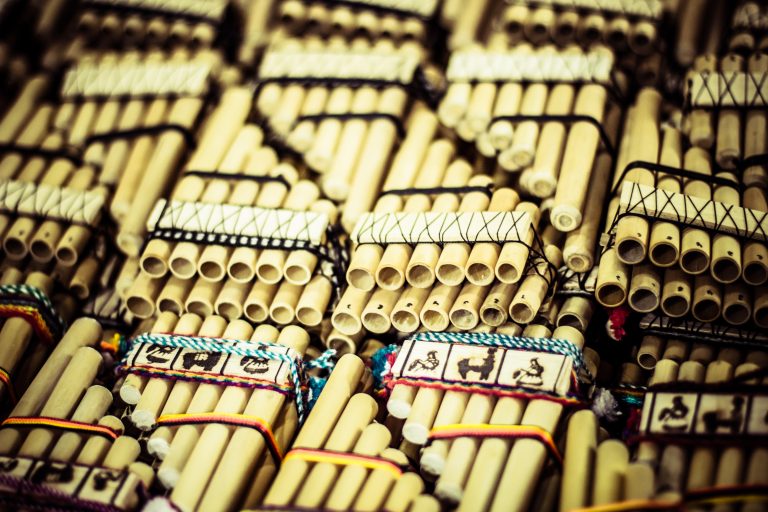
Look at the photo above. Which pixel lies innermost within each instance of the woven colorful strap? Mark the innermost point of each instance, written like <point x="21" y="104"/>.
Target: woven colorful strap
<point x="238" y="420"/>
<point x="483" y="431"/>
<point x="706" y="496"/>
<point x="228" y="346"/>
<point x="5" y="378"/>
<point x="343" y="459"/>
<point x="60" y="424"/>
<point x="31" y="304"/>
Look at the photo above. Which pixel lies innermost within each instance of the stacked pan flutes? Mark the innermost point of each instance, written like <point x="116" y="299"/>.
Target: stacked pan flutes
<point x="72" y="156"/>
<point x="671" y="466"/>
<point x="232" y="169"/>
<point x="59" y="443"/>
<point x="126" y="25"/>
<point x="621" y="25"/>
<point x="218" y="424"/>
<point x="701" y="263"/>
<point x="412" y="283"/>
<point x="341" y="459"/>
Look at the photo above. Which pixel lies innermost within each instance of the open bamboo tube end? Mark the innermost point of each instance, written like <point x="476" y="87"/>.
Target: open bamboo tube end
<point x="400" y="401"/>
<point x="612" y="280"/>
<point x="565" y="217"/>
<point x="364" y="263"/>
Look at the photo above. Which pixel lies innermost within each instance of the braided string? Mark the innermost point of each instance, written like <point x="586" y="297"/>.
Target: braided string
<point x="39" y="311"/>
<point x="78" y="427"/>
<point x="229" y="346"/>
<point x="5" y="378"/>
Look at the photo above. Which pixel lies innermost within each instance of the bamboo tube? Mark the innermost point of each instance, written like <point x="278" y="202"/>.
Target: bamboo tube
<point x="323" y="148"/>
<point x="541" y="179"/>
<point x="540" y="25"/>
<point x="650" y="352"/>
<point x="512" y="19"/>
<point x="457" y="465"/>
<point x="85" y="277"/>
<point x="390" y="273"/>
<point x="695" y="253"/>
<point x="368" y="174"/>
<point x="405" y="313"/>
<point x="229" y="302"/>
<point x="532" y="290"/>
<point x="495" y="308"/>
<point x="405" y="490"/>
<point x="611" y="462"/>
<point x="376" y="314"/>
<point x="156" y="393"/>
<point x="346" y="317"/>
<point x="579" y="249"/>
<point x="259" y="300"/>
<point x="576" y="312"/>
<point x="378" y="484"/>
<point x="372" y="441"/>
<point x="755" y="254"/>
<point x="218" y="457"/>
<point x="466" y="26"/>
<point x="78" y="375"/>
<point x="702" y="133"/>
<point x="580" y="449"/>
<point x="707" y="299"/>
<point x="465" y="312"/>
<point x="664" y="246"/>
<point x="688" y="31"/>
<point x="300" y="265"/>
<point x="96" y="447"/>
<point x="32" y="135"/>
<point x="357" y="414"/>
<point x="314" y="301"/>
<point x="303" y="134"/>
<point x="501" y="133"/>
<point x="23" y="108"/>
<point x="521" y="152"/>
<point x="676" y="293"/>
<point x="420" y="271"/>
<point x="726" y="264"/>
<point x="737" y="304"/>
<point x="93" y="406"/>
<point x="142" y="295"/>
<point x="676" y="350"/>
<point x="434" y="314"/>
<point x="514" y="255"/>
<point x="729" y="130"/>
<point x="645" y="288"/>
<point x="200" y="300"/>
<point x="632" y="232"/>
<point x="173" y="295"/>
<point x="578" y="159"/>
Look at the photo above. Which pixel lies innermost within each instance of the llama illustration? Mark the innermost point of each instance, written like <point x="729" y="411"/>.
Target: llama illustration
<point x="159" y="354"/>
<point x="713" y="421"/>
<point x="475" y="364"/>
<point x="531" y="375"/>
<point x="673" y="417"/>
<point x="429" y="364"/>
<point x="206" y="360"/>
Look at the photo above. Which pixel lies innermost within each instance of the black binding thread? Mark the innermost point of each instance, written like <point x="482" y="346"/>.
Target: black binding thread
<point x="134" y="133"/>
<point x="217" y="175"/>
<point x="569" y="118"/>
<point x="432" y="191"/>
<point x="368" y="116"/>
<point x="73" y="154"/>
<point x="707" y="332"/>
<point x="585" y="10"/>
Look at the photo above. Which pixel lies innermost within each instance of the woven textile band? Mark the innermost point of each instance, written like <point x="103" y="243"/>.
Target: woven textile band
<point x="226" y="346"/>
<point x="31" y="304"/>
<point x="77" y="427"/>
<point x="707" y="496"/>
<point x="5" y="378"/>
<point x="344" y="459"/>
<point x="237" y="420"/>
<point x="483" y="431"/>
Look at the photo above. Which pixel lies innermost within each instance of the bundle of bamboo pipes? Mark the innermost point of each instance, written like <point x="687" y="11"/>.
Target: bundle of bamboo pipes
<point x="408" y="284"/>
<point x="218" y="443"/>
<point x="600" y="473"/>
<point x="480" y="472"/>
<point x="346" y="133"/>
<point x="61" y="422"/>
<point x="127" y="24"/>
<point x="634" y="29"/>
<point x="681" y="269"/>
<point x="401" y="22"/>
<point x="340" y="459"/>
<point x="57" y="155"/>
<point x="749" y="20"/>
<point x="233" y="168"/>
